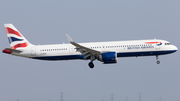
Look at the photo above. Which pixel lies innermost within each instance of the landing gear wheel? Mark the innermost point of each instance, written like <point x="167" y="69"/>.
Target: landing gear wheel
<point x="91" y="65"/>
<point x="158" y="62"/>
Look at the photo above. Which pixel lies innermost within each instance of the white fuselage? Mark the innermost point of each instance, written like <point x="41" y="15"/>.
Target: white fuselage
<point x="122" y="48"/>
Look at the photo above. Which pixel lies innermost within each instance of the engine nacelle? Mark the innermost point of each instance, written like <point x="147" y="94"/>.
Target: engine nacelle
<point x="108" y="57"/>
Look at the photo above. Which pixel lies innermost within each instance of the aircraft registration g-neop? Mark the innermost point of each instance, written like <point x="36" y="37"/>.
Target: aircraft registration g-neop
<point x="106" y="52"/>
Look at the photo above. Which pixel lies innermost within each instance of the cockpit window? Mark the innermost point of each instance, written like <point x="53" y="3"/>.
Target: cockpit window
<point x="167" y="43"/>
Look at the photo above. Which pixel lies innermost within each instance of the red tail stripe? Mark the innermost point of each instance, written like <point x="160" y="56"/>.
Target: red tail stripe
<point x="19" y="45"/>
<point x="152" y="42"/>
<point x="11" y="31"/>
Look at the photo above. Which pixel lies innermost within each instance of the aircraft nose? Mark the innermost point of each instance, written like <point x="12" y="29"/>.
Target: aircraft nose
<point x="175" y="48"/>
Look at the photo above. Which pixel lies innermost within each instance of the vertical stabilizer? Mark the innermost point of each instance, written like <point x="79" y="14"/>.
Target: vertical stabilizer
<point x="16" y="39"/>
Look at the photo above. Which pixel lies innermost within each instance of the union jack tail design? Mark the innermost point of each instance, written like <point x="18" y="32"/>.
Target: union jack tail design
<point x="16" y="39"/>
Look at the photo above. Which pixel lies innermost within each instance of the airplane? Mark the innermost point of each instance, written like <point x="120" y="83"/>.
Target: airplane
<point x="106" y="52"/>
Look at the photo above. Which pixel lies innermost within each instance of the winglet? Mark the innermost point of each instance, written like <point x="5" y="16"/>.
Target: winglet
<point x="69" y="38"/>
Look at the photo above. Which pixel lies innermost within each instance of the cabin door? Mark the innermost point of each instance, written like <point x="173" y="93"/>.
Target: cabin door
<point x="33" y="51"/>
<point x="71" y="49"/>
<point x="157" y="46"/>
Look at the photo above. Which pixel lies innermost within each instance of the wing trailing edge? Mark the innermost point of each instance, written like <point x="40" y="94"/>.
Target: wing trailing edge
<point x="88" y="52"/>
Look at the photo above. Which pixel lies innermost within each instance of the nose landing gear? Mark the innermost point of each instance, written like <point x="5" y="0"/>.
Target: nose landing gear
<point x="158" y="62"/>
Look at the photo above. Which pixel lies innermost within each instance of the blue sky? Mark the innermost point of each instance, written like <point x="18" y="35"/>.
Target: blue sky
<point x="47" y="21"/>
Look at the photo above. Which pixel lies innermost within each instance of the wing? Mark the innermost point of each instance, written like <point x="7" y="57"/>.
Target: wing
<point x="87" y="52"/>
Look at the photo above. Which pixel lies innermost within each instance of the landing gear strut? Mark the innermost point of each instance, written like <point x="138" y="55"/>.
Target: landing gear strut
<point x="91" y="65"/>
<point x="158" y="62"/>
<point x="92" y="58"/>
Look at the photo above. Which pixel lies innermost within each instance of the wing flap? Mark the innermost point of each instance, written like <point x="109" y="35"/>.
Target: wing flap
<point x="84" y="50"/>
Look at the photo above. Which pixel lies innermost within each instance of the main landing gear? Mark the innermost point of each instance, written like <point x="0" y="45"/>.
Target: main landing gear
<point x="91" y="65"/>
<point x="158" y="62"/>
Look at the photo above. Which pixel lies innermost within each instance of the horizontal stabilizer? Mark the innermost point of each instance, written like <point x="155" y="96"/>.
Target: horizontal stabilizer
<point x="10" y="50"/>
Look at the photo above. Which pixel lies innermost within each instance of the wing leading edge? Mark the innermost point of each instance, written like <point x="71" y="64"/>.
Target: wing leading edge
<point x="87" y="52"/>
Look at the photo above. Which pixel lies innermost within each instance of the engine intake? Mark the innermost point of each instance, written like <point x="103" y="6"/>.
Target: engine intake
<point x="108" y="57"/>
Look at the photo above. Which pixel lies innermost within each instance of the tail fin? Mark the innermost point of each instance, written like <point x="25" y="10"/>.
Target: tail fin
<point x="16" y="39"/>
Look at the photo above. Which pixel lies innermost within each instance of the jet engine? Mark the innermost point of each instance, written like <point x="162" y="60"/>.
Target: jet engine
<point x="108" y="57"/>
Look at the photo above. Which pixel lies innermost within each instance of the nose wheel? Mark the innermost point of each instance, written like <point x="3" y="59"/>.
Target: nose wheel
<point x="91" y="65"/>
<point x="158" y="62"/>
